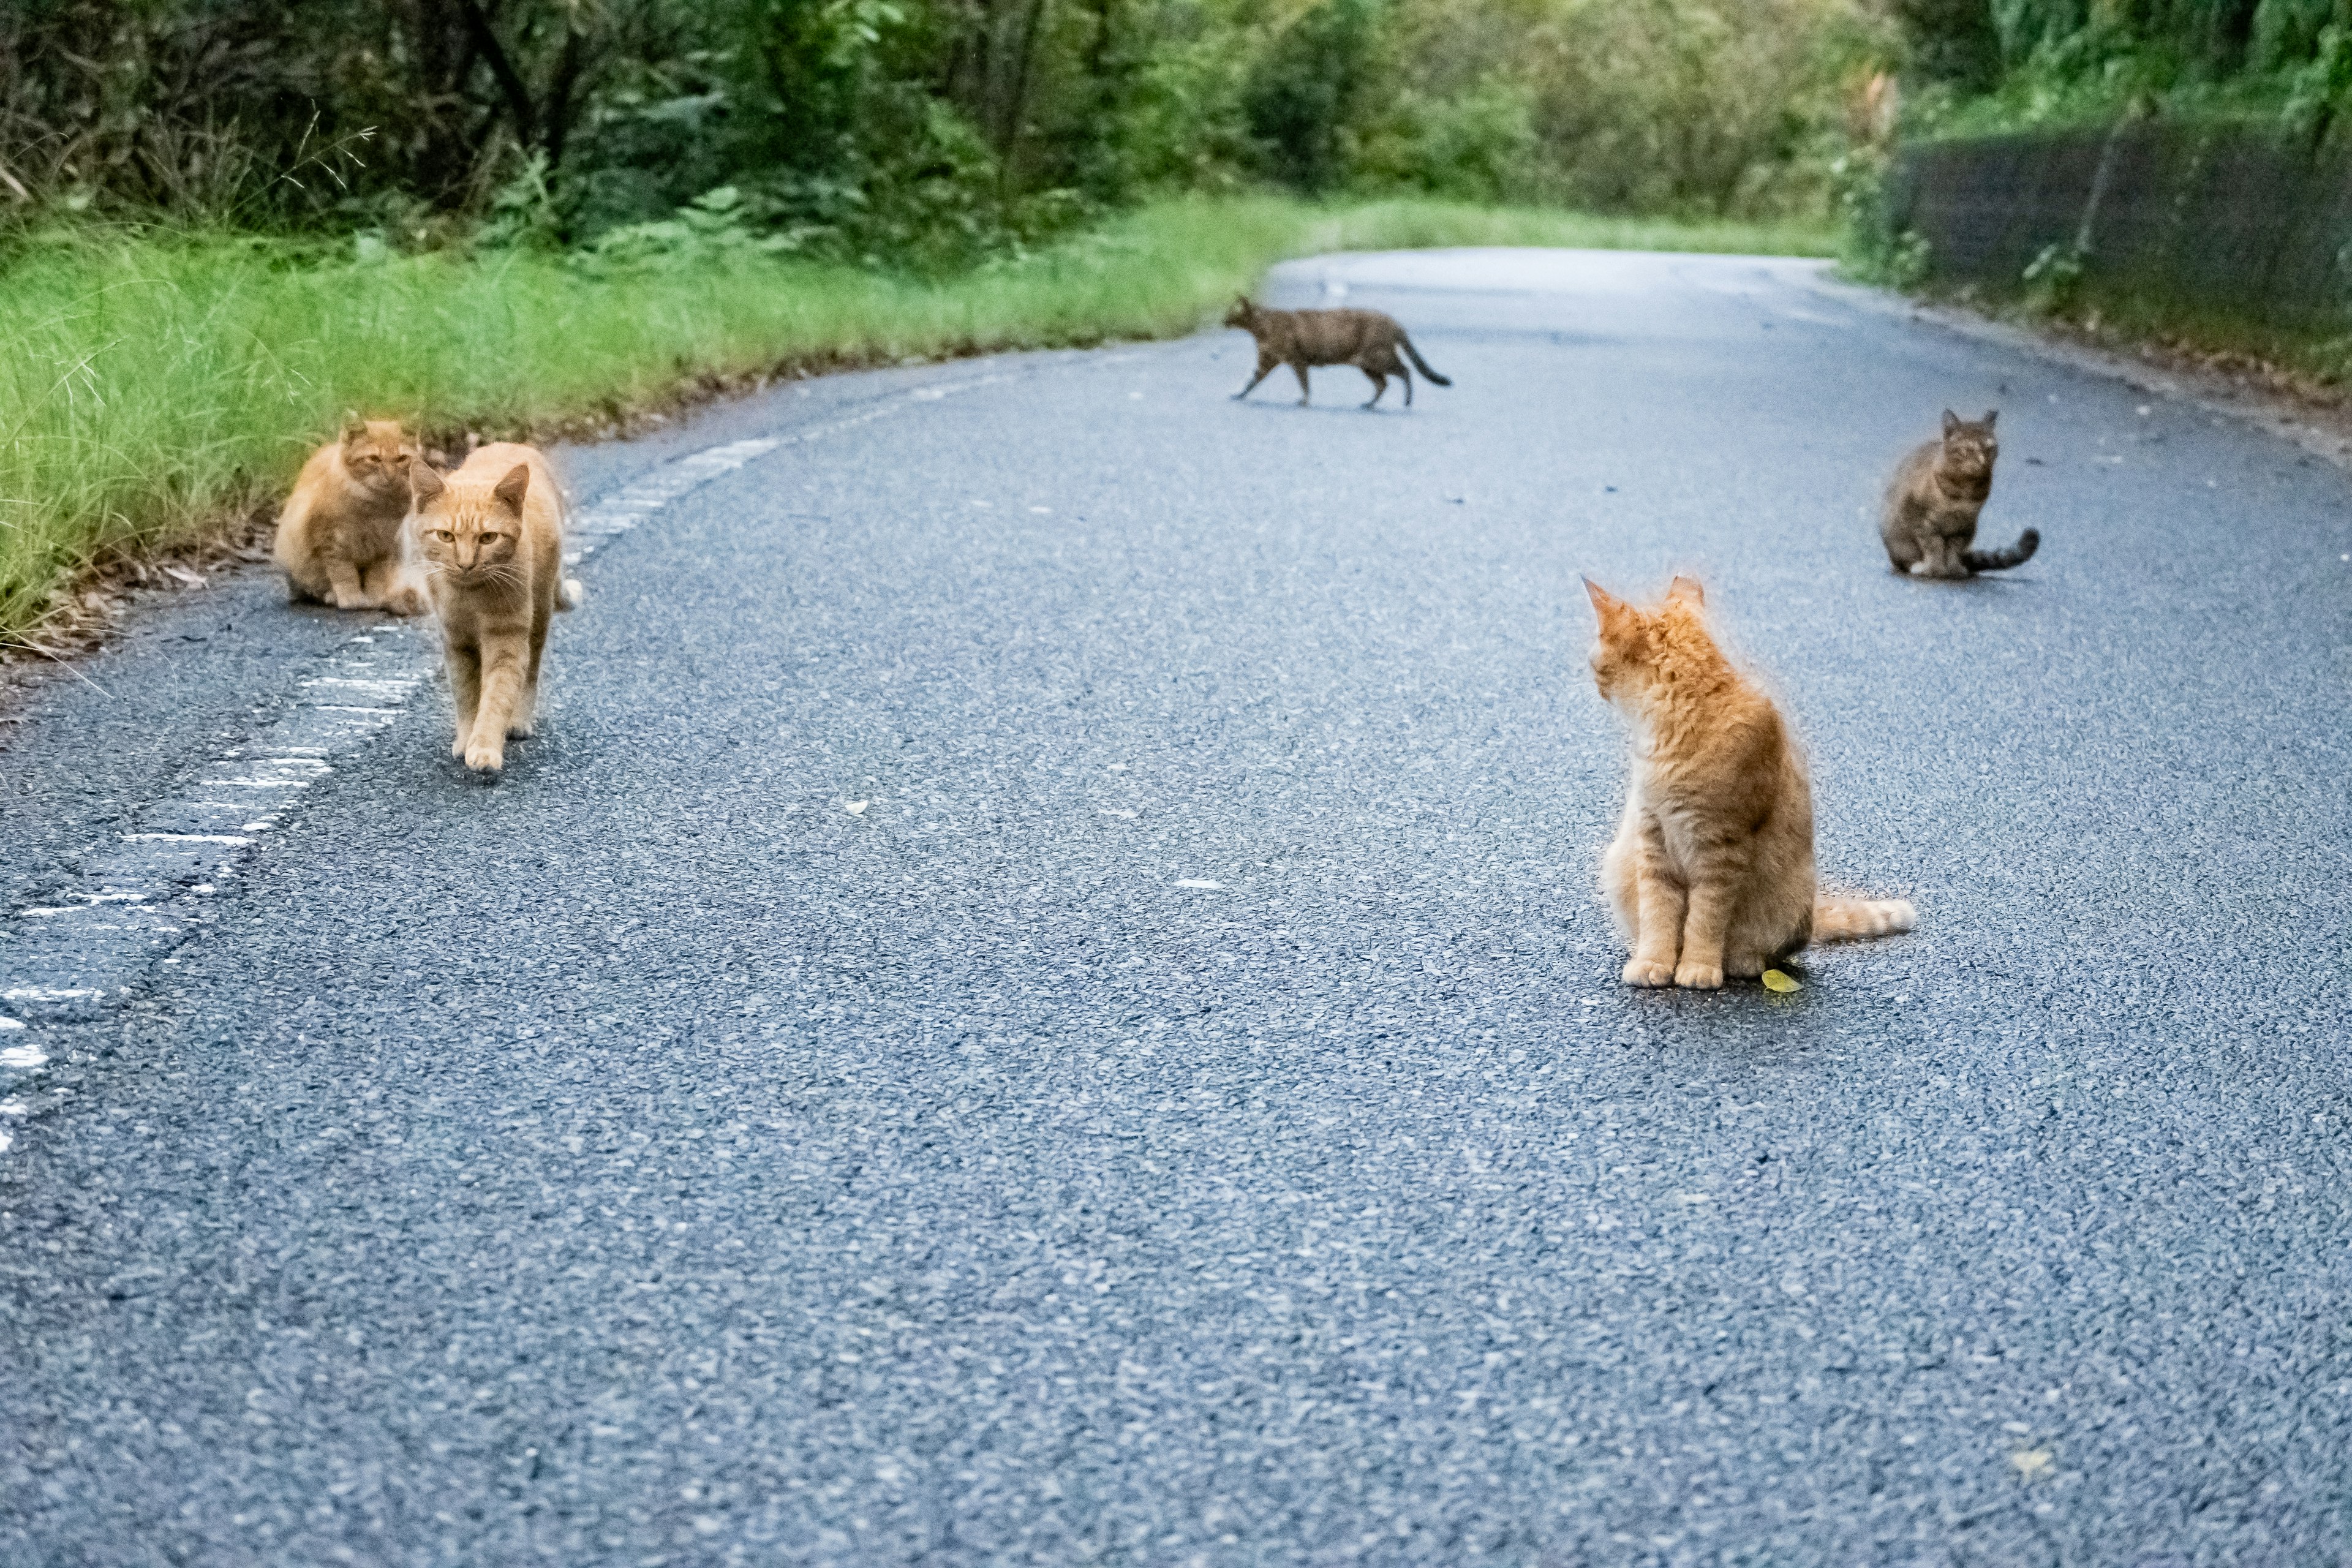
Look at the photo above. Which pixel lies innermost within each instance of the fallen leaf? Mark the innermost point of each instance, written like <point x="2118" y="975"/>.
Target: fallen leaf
<point x="1776" y="981"/>
<point x="853" y="806"/>
<point x="1197" y="882"/>
<point x="2032" y="1462"/>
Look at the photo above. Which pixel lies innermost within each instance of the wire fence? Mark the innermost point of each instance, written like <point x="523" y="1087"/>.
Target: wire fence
<point x="2216" y="218"/>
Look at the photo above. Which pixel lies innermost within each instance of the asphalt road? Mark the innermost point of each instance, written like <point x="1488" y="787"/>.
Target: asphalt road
<point x="813" y="1111"/>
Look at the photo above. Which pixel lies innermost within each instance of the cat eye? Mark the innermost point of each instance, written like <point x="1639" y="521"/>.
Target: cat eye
<point x="440" y="536"/>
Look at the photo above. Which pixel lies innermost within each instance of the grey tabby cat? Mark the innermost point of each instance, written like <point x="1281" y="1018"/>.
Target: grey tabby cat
<point x="1930" y="519"/>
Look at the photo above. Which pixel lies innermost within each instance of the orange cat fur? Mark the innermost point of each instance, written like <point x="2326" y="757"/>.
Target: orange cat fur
<point x="491" y="537"/>
<point x="339" y="535"/>
<point x="1712" y="869"/>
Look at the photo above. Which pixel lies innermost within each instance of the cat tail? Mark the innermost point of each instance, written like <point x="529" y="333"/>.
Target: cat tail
<point x="2017" y="554"/>
<point x="1858" y="919"/>
<point x="1420" y="363"/>
<point x="570" y="594"/>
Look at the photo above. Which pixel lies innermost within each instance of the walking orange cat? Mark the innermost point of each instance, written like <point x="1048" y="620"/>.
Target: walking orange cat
<point x="490" y="536"/>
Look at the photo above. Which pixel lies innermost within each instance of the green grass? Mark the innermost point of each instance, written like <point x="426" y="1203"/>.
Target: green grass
<point x="153" y="387"/>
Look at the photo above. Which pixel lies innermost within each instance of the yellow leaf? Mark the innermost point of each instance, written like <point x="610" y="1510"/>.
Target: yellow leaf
<point x="1776" y="981"/>
<point x="2032" y="1462"/>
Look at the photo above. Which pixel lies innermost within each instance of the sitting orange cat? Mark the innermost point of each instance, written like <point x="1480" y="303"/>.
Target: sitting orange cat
<point x="1712" y="869"/>
<point x="490" y="536"/>
<point x="339" y="535"/>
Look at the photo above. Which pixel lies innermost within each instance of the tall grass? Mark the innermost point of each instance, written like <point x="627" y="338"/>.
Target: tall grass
<point x="150" y="387"/>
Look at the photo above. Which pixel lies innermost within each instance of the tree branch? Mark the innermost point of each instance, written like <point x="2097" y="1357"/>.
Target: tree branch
<point x="509" y="80"/>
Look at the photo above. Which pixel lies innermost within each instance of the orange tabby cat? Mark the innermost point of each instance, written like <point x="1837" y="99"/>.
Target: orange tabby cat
<point x="490" y="535"/>
<point x="1712" y="869"/>
<point x="339" y="535"/>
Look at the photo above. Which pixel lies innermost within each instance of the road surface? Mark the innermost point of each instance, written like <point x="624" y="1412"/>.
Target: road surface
<point x="1041" y="996"/>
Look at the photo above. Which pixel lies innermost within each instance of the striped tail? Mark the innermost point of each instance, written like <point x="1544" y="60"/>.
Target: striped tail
<point x="1857" y="920"/>
<point x="2017" y="554"/>
<point x="1420" y="363"/>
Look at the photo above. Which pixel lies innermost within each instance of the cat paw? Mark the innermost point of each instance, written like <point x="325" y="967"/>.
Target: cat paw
<point x="1699" y="976"/>
<point x="486" y="756"/>
<point x="351" y="602"/>
<point x="406" y="602"/>
<point x="1641" y="972"/>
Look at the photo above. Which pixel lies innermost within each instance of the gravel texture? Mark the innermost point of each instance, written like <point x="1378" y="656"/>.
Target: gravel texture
<point x="1040" y="998"/>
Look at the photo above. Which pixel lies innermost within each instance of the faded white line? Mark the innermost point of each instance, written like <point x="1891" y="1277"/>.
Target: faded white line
<point x="190" y="838"/>
<point x="72" y="956"/>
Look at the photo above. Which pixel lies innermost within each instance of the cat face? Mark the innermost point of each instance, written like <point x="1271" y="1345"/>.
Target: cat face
<point x="1969" y="446"/>
<point x="1239" y="315"/>
<point x="470" y="535"/>
<point x="376" y="454"/>
<point x="1627" y="654"/>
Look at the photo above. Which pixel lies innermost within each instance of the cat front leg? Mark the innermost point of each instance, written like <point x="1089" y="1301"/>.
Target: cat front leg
<point x="1658" y="900"/>
<point x="465" y="664"/>
<point x="390" y="585"/>
<point x="1938" y="559"/>
<point x="1662" y="902"/>
<point x="1707" y="920"/>
<point x="344" y="590"/>
<point x="1264" y="368"/>
<point x="1300" y="367"/>
<point x="503" y="661"/>
<point x="526" y="715"/>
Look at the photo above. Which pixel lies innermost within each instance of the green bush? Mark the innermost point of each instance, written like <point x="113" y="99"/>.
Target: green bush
<point x="156" y="384"/>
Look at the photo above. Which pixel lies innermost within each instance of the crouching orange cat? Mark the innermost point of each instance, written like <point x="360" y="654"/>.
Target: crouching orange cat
<point x="338" y="536"/>
<point x="489" y="535"/>
<point x="1712" y="869"/>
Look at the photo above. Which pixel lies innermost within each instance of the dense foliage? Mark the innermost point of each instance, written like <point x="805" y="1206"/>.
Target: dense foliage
<point x="1996" y="64"/>
<point x="916" y="131"/>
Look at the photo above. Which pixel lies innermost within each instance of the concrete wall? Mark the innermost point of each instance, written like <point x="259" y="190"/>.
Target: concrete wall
<point x="2231" y="219"/>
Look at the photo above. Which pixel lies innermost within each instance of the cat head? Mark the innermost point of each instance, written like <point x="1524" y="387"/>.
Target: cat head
<point x="1637" y="647"/>
<point x="1242" y="311"/>
<point x="376" y="455"/>
<point x="468" y="531"/>
<point x="1969" y="446"/>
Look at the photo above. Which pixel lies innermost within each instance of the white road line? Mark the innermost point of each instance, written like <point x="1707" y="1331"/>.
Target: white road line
<point x="66" y="959"/>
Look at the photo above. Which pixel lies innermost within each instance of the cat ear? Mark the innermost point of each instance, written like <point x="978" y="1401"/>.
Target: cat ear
<point x="423" y="482"/>
<point x="512" y="488"/>
<point x="1990" y="414"/>
<point x="1687" y="590"/>
<point x="1606" y="605"/>
<point x="354" y="428"/>
<point x="1951" y="421"/>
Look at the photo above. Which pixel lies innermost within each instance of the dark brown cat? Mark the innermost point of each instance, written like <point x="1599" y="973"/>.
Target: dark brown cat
<point x="1930" y="517"/>
<point x="1365" y="338"/>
